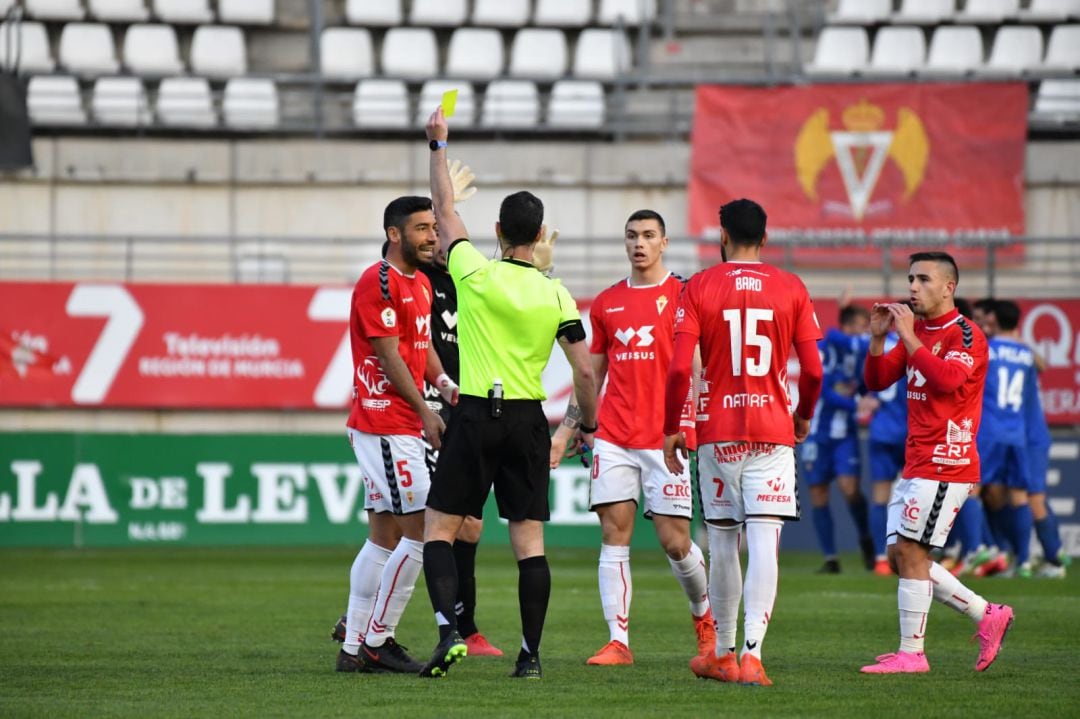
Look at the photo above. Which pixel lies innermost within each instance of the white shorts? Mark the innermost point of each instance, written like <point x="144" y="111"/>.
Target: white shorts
<point x="396" y="472"/>
<point x="925" y="509"/>
<point x="747" y="479"/>
<point x="620" y="475"/>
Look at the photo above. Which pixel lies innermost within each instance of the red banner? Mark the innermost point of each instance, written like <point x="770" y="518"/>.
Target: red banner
<point x="935" y="165"/>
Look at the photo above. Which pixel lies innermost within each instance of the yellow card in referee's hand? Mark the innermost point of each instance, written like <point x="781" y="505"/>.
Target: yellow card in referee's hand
<point x="449" y="102"/>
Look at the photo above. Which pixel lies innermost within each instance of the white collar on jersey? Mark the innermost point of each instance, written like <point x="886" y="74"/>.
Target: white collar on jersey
<point x="391" y="266"/>
<point x="645" y="287"/>
<point x="953" y="321"/>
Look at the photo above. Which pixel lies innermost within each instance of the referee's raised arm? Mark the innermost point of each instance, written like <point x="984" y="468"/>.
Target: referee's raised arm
<point x="450" y="226"/>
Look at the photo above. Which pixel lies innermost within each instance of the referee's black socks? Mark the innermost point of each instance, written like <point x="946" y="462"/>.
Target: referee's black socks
<point x="534" y="590"/>
<point x="440" y="574"/>
<point x="465" y="557"/>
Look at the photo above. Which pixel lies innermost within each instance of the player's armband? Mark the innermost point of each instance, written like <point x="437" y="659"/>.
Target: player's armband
<point x="572" y="331"/>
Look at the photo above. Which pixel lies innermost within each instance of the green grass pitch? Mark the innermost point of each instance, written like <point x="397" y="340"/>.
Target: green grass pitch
<point x="228" y="632"/>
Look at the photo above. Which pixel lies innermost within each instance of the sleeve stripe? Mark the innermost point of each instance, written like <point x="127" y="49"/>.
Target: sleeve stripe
<point x="966" y="333"/>
<point x="384" y="281"/>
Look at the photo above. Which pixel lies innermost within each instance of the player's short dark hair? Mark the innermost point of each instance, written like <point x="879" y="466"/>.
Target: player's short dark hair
<point x="1007" y="314"/>
<point x="942" y="258"/>
<point x="648" y="215"/>
<point x="520" y="217"/>
<point x="397" y="212"/>
<point x="963" y="306"/>
<point x="744" y="221"/>
<point x="850" y="313"/>
<point x="986" y="304"/>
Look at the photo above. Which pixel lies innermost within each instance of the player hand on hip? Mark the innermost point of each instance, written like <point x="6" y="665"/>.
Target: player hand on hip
<point x="674" y="442"/>
<point x="433" y="427"/>
<point x="881" y="320"/>
<point x="802" y="428"/>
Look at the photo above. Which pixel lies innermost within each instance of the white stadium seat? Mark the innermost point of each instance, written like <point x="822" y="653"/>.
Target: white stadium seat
<point x="988" y="11"/>
<point x="511" y="103"/>
<point x="6" y="5"/>
<point x="119" y="10"/>
<point x="562" y="13"/>
<point x="376" y="13"/>
<point x="87" y="49"/>
<point x="954" y="50"/>
<point x="897" y="51"/>
<point x="924" y="12"/>
<point x="246" y="12"/>
<point x="410" y="52"/>
<point x="55" y="9"/>
<point x="151" y="49"/>
<point x="501" y="13"/>
<point x="29" y="51"/>
<point x="840" y="51"/>
<point x="1063" y="49"/>
<point x="345" y="53"/>
<point x="1016" y="50"/>
<point x="54" y="100"/>
<point x="120" y="101"/>
<point x="218" y="51"/>
<point x="630" y="12"/>
<point x="439" y="13"/>
<point x="1051" y="11"/>
<point x="475" y="53"/>
<point x="1058" y="101"/>
<point x="538" y="53"/>
<point x="183" y="11"/>
<point x="431" y="94"/>
<point x="381" y="103"/>
<point x="250" y="103"/>
<point x="601" y="54"/>
<point x="576" y="104"/>
<point x="861" y="12"/>
<point x="186" y="102"/>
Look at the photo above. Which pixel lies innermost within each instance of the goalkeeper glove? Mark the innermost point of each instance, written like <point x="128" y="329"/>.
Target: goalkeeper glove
<point x="544" y="247"/>
<point x="461" y="178"/>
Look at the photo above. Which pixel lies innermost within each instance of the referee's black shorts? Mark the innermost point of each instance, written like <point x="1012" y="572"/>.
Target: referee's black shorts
<point x="478" y="451"/>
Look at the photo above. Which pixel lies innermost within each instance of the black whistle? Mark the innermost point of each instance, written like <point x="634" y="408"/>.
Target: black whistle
<point x="495" y="395"/>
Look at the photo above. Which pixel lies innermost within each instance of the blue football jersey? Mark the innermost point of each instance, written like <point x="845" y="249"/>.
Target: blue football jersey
<point x="1010" y="374"/>
<point x="889" y="423"/>
<point x="1038" y="432"/>
<point x="834" y="417"/>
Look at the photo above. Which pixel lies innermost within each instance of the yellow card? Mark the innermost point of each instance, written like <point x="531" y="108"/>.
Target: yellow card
<point x="449" y="102"/>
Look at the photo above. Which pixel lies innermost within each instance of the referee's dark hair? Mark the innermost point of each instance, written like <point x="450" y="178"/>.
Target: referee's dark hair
<point x="520" y="217"/>
<point x="942" y="258"/>
<point x="398" y="211"/>
<point x="1007" y="314"/>
<point x="744" y="221"/>
<point x="648" y="215"/>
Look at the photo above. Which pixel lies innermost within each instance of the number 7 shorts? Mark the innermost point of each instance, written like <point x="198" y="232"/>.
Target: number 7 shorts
<point x="395" y="468"/>
<point x="747" y="479"/>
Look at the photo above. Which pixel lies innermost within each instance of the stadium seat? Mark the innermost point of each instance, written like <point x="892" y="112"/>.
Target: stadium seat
<point x="1016" y="50"/>
<point x="562" y="13"/>
<point x="538" y="53"/>
<point x="377" y="13"/>
<point x="431" y="94"/>
<point x="55" y="9"/>
<point x="185" y="102"/>
<point x="954" y="50"/>
<point x="410" y="52"/>
<point x="87" y="49"/>
<point x="345" y="53"/>
<point x="120" y="101"/>
<point x="29" y="51"/>
<point x="439" y="13"/>
<point x="601" y="54"/>
<point x="897" y="51"/>
<point x="1058" y="101"/>
<point x="218" y="51"/>
<point x="840" y="51"/>
<point x="861" y="12"/>
<point x="186" y="12"/>
<point x="250" y="103"/>
<point x="475" y="53"/>
<point x="1051" y="11"/>
<point x="576" y="104"/>
<point x="501" y="13"/>
<point x="246" y="12"/>
<point x="55" y="100"/>
<point x="6" y="5"/>
<point x="1063" y="49"/>
<point x="630" y="13"/>
<point x="511" y="103"/>
<point x="988" y="11"/>
<point x="924" y="12"/>
<point x="119" y="10"/>
<point x="381" y="103"/>
<point x="151" y="49"/>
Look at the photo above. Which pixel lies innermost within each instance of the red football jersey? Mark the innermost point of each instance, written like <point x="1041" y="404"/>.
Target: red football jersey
<point x="746" y="316"/>
<point x="388" y="303"/>
<point x="634" y="328"/>
<point x="941" y="425"/>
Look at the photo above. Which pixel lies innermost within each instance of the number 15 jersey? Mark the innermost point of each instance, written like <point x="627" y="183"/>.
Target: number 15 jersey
<point x="746" y="317"/>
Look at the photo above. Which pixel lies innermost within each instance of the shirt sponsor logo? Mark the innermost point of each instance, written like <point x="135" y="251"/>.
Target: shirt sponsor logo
<point x="389" y="317"/>
<point x="958" y="439"/>
<point x="776" y="492"/>
<point x="449" y="319"/>
<point x="609" y="310"/>
<point x="644" y="335"/>
<point x="911" y="509"/>
<point x="915" y="378"/>
<point x="746" y="399"/>
<point x="738" y="451"/>
<point x="423" y="325"/>
<point x="375" y="404"/>
<point x="676" y="490"/>
<point x="371" y="375"/>
<point x="961" y="356"/>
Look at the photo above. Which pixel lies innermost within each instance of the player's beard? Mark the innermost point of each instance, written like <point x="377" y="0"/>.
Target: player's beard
<point x="411" y="254"/>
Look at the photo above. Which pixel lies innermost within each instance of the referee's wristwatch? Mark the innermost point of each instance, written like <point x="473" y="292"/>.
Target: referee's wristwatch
<point x="437" y="145"/>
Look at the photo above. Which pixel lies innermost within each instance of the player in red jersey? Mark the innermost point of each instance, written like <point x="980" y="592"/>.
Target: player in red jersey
<point x="632" y="345"/>
<point x="945" y="359"/>
<point x="746" y="315"/>
<point x="390" y="333"/>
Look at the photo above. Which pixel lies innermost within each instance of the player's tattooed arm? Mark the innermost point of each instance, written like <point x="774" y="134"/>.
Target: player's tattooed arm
<point x="572" y="420"/>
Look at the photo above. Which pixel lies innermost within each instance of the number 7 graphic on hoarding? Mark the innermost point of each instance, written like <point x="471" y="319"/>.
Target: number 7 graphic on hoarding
<point x="114" y="343"/>
<point x="333" y="305"/>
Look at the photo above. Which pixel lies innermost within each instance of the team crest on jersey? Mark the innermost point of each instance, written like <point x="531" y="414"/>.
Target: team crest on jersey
<point x="661" y="303"/>
<point x="426" y="295"/>
<point x="389" y="317"/>
<point x="937" y="348"/>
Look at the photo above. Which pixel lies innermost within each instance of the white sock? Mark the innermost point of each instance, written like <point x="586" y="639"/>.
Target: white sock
<point x="398" y="579"/>
<point x="363" y="585"/>
<point x="725" y="584"/>
<point x="690" y="572"/>
<point x="913" y="597"/>
<point x="616" y="590"/>
<point x="951" y="592"/>
<point x="762" y="572"/>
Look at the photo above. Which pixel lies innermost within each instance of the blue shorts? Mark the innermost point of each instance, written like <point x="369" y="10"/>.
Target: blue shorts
<point x="1038" y="466"/>
<point x="825" y="461"/>
<point x="886" y="461"/>
<point x="1005" y="464"/>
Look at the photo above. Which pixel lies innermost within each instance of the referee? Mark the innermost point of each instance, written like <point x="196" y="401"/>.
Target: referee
<point x="509" y="315"/>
